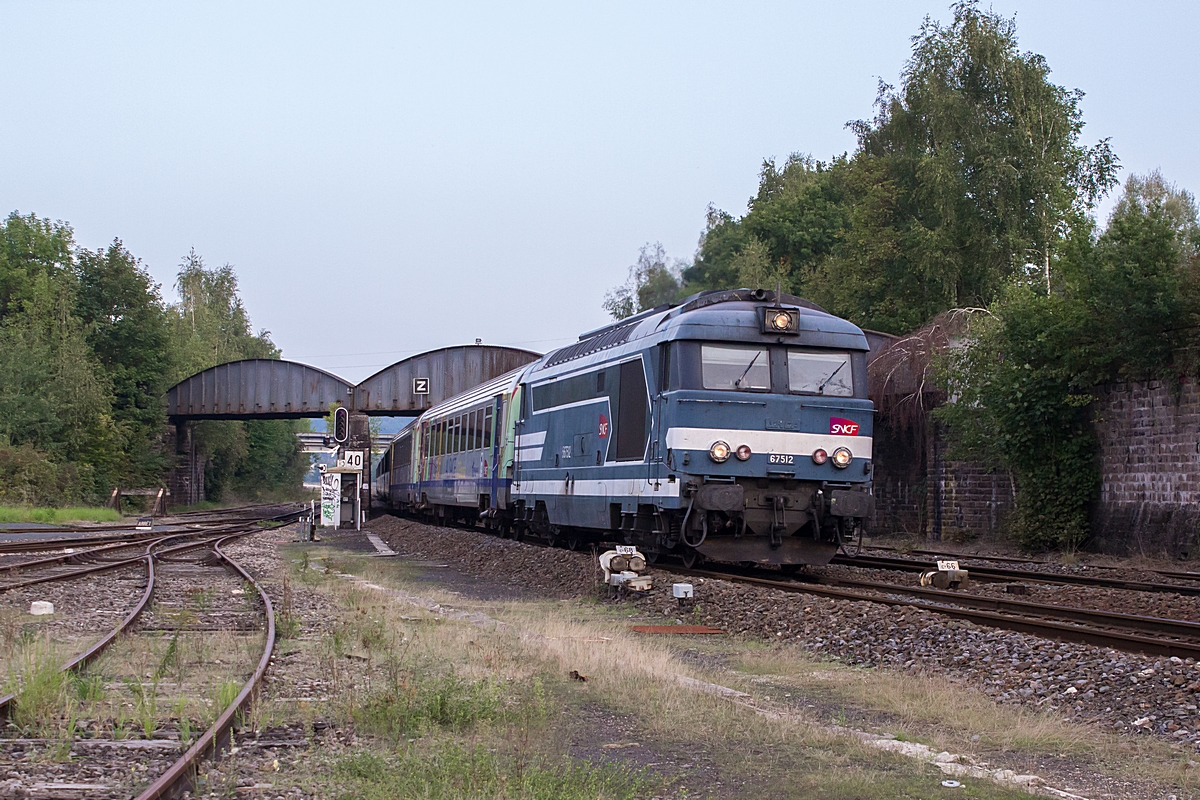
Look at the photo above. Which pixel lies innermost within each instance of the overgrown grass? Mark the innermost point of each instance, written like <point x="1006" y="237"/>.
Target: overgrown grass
<point x="57" y="515"/>
<point x="46" y="698"/>
<point x="452" y="770"/>
<point x="419" y="704"/>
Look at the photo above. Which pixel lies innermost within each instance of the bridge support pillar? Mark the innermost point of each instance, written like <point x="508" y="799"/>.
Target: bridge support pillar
<point x="186" y="479"/>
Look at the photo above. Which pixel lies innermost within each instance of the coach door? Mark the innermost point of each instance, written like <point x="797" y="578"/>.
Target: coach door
<point x="491" y="437"/>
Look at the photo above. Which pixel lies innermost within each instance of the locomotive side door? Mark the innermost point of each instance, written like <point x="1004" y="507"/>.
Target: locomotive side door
<point x="656" y="467"/>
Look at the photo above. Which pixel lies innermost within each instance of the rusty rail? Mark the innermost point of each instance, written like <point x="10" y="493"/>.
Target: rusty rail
<point x="180" y="776"/>
<point x="1046" y="628"/>
<point x="998" y="573"/>
<point x="151" y="554"/>
<point x="98" y="647"/>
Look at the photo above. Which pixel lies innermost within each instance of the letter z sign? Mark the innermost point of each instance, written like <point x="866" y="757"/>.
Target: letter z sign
<point x="843" y="427"/>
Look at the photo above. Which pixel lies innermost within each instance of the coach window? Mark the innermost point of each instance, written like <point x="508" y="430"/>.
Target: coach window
<point x="487" y="429"/>
<point x="820" y="373"/>
<point x="735" y="368"/>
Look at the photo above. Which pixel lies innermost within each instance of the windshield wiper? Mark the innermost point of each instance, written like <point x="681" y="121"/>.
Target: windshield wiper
<point x="738" y="382"/>
<point x="821" y="388"/>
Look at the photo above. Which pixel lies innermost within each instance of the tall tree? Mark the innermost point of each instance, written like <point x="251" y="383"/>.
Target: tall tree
<point x="126" y="323"/>
<point x="653" y="280"/>
<point x="31" y="248"/>
<point x="969" y="176"/>
<point x="985" y="153"/>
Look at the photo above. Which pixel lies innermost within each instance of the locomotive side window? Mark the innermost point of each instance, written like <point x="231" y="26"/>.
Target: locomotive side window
<point x="735" y="368"/>
<point x="820" y="373"/>
<point x="631" y="412"/>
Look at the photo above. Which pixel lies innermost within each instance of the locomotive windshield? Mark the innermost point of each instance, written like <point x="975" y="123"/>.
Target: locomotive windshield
<point x="736" y="368"/>
<point x="820" y="373"/>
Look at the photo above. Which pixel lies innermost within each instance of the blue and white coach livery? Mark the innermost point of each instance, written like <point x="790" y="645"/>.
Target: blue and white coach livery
<point x="733" y="426"/>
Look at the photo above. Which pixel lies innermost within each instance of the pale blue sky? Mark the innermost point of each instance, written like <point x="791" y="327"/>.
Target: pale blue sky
<point x="404" y="177"/>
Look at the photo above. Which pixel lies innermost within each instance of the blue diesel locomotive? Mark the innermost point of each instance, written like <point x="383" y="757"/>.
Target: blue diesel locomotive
<point x="733" y="426"/>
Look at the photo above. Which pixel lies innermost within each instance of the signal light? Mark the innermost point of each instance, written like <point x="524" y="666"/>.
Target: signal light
<point x="341" y="424"/>
<point x="743" y="452"/>
<point x="820" y="456"/>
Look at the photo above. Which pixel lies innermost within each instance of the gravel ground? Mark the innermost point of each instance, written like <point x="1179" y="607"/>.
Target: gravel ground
<point x="1119" y="691"/>
<point x="84" y="609"/>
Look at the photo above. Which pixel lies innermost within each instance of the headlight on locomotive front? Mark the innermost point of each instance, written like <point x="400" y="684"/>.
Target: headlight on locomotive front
<point x="779" y="320"/>
<point x="719" y="452"/>
<point x="842" y="457"/>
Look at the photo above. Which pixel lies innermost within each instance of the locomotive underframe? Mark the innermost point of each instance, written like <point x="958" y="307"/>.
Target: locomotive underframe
<point x="759" y="520"/>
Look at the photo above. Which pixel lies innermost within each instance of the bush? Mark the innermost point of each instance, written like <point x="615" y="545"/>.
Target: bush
<point x="29" y="477"/>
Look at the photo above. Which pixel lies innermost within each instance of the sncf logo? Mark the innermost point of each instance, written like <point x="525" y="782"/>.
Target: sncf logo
<point x="843" y="427"/>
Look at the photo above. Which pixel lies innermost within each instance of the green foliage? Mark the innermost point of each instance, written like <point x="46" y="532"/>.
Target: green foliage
<point x="126" y="327"/>
<point x="1125" y="307"/>
<point x="87" y="348"/>
<point x="209" y="324"/>
<point x="653" y="280"/>
<point x="968" y="177"/>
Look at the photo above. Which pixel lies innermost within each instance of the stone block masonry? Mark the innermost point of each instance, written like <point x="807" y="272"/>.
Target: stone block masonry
<point x="1149" y="441"/>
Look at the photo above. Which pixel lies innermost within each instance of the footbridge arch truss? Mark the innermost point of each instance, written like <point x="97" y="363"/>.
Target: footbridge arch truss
<point x="276" y="389"/>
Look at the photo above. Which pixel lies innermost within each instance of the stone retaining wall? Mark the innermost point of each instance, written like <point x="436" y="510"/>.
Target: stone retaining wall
<point x="1149" y="435"/>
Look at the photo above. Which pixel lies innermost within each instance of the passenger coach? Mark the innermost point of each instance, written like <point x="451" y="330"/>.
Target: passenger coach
<point x="733" y="426"/>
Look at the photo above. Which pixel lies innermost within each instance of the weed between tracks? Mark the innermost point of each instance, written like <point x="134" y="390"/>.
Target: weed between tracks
<point x="143" y="686"/>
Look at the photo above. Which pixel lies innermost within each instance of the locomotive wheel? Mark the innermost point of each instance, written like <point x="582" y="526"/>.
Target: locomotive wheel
<point x="573" y="540"/>
<point x="554" y="536"/>
<point x="690" y="557"/>
<point x="790" y="569"/>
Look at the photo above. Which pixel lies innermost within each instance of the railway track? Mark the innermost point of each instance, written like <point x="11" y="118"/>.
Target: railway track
<point x="1003" y="574"/>
<point x="179" y="569"/>
<point x="1126" y="632"/>
<point x="1166" y="573"/>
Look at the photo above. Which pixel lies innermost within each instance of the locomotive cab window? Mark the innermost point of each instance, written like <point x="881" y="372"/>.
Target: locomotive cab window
<point x="740" y="369"/>
<point x="826" y="373"/>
